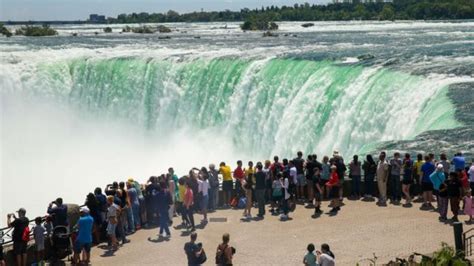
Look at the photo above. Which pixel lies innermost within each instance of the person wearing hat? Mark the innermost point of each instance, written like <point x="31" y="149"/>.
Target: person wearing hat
<point x="84" y="236"/>
<point x="20" y="235"/>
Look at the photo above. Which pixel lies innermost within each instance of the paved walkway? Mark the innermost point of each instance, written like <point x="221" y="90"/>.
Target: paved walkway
<point x="359" y="230"/>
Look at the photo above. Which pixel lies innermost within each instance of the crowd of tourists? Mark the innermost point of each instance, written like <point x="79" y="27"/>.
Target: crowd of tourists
<point x="125" y="207"/>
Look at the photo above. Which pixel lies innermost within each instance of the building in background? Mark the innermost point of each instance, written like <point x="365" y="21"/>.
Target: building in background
<point x="94" y="18"/>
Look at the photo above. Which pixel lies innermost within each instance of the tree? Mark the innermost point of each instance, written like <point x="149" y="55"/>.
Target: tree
<point x="387" y="13"/>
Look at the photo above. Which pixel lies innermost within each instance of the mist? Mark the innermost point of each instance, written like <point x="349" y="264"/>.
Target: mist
<point x="50" y="151"/>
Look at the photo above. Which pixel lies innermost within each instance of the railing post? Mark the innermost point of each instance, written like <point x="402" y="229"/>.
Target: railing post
<point x="458" y="241"/>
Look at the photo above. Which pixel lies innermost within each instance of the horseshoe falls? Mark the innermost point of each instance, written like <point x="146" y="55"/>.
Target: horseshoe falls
<point x="79" y="112"/>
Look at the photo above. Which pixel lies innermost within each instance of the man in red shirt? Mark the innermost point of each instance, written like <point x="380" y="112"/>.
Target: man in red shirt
<point x="333" y="185"/>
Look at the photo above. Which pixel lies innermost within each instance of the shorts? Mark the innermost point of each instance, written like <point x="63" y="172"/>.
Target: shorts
<point x="111" y="229"/>
<point x="407" y="182"/>
<point x="426" y="186"/>
<point x="78" y="247"/>
<point x="227" y="185"/>
<point x="310" y="183"/>
<point x="39" y="246"/>
<point x="19" y="247"/>
<point x="301" y="180"/>
<point x="334" y="192"/>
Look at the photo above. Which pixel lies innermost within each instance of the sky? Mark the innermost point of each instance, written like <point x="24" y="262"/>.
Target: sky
<point x="80" y="9"/>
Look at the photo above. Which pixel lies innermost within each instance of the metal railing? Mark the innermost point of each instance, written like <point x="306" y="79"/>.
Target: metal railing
<point x="467" y="239"/>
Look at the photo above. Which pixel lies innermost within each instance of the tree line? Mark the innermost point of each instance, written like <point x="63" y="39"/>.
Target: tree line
<point x="398" y="10"/>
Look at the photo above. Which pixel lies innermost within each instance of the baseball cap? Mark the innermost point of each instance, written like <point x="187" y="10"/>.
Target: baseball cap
<point x="84" y="209"/>
<point x="21" y="210"/>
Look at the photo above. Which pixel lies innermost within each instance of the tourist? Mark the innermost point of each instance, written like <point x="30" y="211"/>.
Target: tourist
<point x="459" y="162"/>
<point x="122" y="201"/>
<point x="248" y="185"/>
<point x="260" y="179"/>
<point x="224" y="252"/>
<point x="94" y="210"/>
<point x="204" y="192"/>
<point x="173" y="188"/>
<point x="194" y="251"/>
<point x="111" y="189"/>
<point x="268" y="181"/>
<point x="194" y="184"/>
<point x="333" y="185"/>
<point x="188" y="205"/>
<point x="83" y="241"/>
<point x="370" y="169"/>
<point x="341" y="172"/>
<point x="310" y="259"/>
<point x="454" y="194"/>
<point x="470" y="172"/>
<point x="427" y="169"/>
<point x="319" y="187"/>
<point x="293" y="178"/>
<point x="2" y="256"/>
<point x="58" y="212"/>
<point x="395" y="172"/>
<point x="354" y="174"/>
<point x="299" y="164"/>
<point x="325" y="256"/>
<point x="407" y="177"/>
<point x="239" y="175"/>
<point x="134" y="216"/>
<point x="180" y="202"/>
<point x="285" y="184"/>
<point x="163" y="200"/>
<point x="437" y="178"/>
<point x="20" y="235"/>
<point x="113" y="212"/>
<point x="214" y="187"/>
<point x="102" y="200"/>
<point x="446" y="164"/>
<point x="417" y="175"/>
<point x="151" y="190"/>
<point x="310" y="168"/>
<point x="141" y="200"/>
<point x="325" y="174"/>
<point x="38" y="234"/>
<point x="443" y="202"/>
<point x="382" y="177"/>
<point x="277" y="193"/>
<point x="227" y="183"/>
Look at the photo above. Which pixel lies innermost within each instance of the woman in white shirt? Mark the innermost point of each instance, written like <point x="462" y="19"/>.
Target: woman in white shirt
<point x="204" y="191"/>
<point x="286" y="196"/>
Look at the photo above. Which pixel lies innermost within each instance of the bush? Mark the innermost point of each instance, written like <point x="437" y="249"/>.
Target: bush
<point x="264" y="23"/>
<point x="36" y="31"/>
<point x="107" y="29"/>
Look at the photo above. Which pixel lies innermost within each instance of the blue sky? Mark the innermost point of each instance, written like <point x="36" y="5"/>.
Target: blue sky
<point x="80" y="9"/>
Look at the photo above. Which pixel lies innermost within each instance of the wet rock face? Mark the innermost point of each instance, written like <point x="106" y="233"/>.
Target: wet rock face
<point x="447" y="141"/>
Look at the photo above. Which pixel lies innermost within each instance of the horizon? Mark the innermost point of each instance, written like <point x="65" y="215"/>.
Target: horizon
<point x="68" y="10"/>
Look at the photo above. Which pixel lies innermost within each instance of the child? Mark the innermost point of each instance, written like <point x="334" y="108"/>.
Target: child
<point x="333" y="185"/>
<point x="468" y="206"/>
<point x="310" y="259"/>
<point x="38" y="232"/>
<point x="443" y="202"/>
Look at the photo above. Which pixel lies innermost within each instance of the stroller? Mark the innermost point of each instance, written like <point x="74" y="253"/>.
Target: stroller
<point x="60" y="243"/>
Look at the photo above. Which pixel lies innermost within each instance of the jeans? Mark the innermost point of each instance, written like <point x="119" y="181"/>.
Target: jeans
<point x="189" y="215"/>
<point x="395" y="187"/>
<point x="204" y="202"/>
<point x="260" y="195"/>
<point x="213" y="198"/>
<point x="443" y="206"/>
<point x="369" y="184"/>
<point x="130" y="218"/>
<point x="136" y="214"/>
<point x="164" y="223"/>
<point x="355" y="185"/>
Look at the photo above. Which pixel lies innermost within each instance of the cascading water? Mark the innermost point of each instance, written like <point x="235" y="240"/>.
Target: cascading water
<point x="268" y="106"/>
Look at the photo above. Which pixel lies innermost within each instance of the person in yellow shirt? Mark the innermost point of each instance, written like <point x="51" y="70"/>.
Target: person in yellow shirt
<point x="417" y="173"/>
<point x="227" y="184"/>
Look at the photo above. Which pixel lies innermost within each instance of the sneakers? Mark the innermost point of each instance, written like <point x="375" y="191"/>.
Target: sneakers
<point x="283" y="217"/>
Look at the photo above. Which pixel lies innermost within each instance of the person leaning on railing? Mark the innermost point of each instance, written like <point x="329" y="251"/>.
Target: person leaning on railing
<point x="21" y="235"/>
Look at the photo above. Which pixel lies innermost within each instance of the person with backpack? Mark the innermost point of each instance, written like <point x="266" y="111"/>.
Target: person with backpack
<point x="20" y="236"/>
<point x="194" y="251"/>
<point x="225" y="252"/>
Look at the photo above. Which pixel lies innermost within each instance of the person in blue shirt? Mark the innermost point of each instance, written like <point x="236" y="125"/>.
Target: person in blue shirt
<point x="84" y="237"/>
<point x="427" y="169"/>
<point x="459" y="162"/>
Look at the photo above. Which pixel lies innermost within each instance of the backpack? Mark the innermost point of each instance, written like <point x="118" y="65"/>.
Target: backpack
<point x="202" y="258"/>
<point x="220" y="255"/>
<point x="25" y="236"/>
